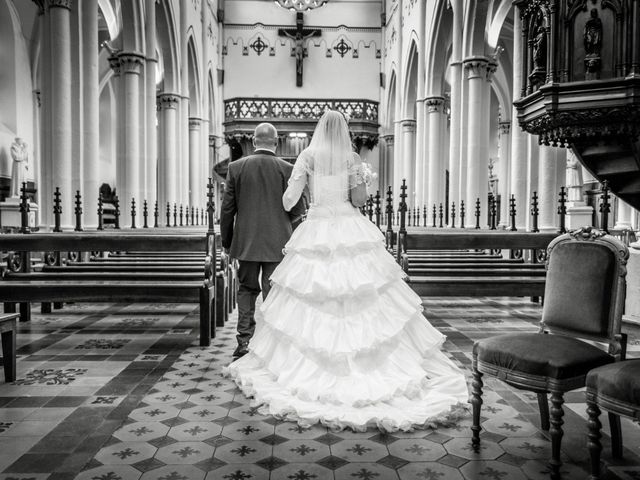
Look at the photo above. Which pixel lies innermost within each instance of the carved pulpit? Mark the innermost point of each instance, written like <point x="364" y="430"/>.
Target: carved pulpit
<point x="580" y="66"/>
<point x="299" y="35"/>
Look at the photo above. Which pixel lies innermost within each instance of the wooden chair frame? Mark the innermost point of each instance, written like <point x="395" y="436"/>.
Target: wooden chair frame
<point x="551" y="419"/>
<point x="615" y="408"/>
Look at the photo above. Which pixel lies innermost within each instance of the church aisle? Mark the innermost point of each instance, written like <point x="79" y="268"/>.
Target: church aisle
<point x="123" y="392"/>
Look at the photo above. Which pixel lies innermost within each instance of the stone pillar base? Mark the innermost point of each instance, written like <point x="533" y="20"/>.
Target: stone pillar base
<point x="10" y="215"/>
<point x="578" y="215"/>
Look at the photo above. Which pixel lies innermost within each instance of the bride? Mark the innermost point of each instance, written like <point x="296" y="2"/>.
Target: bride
<point x="341" y="338"/>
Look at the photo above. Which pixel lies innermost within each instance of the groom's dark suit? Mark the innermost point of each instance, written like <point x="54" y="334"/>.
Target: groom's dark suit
<point x="255" y="227"/>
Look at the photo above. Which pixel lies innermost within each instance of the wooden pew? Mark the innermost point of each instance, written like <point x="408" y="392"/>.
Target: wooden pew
<point x="135" y="262"/>
<point x="66" y="286"/>
<point x="474" y="276"/>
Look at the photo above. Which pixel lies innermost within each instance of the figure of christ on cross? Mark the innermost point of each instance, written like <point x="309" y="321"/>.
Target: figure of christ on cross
<point x="299" y="35"/>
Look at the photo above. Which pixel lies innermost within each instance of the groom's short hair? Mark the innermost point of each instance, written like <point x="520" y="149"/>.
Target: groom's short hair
<point x="265" y="134"/>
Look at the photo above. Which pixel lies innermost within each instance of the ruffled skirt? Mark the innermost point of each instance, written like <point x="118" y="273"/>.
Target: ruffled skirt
<point x="342" y="340"/>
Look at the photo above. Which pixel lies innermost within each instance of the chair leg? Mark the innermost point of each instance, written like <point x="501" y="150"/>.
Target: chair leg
<point x="595" y="447"/>
<point x="555" y="417"/>
<point x="476" y="402"/>
<point x="543" y="406"/>
<point x="616" y="435"/>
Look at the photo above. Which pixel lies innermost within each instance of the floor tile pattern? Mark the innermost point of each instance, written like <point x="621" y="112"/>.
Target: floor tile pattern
<point x="122" y="392"/>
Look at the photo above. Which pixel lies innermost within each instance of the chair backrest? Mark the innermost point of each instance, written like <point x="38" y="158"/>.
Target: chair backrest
<point x="585" y="287"/>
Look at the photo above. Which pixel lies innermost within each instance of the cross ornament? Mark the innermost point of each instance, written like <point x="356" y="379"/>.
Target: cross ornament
<point x="299" y="35"/>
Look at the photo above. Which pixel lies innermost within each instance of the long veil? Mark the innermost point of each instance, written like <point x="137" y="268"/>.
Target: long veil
<point x="329" y="155"/>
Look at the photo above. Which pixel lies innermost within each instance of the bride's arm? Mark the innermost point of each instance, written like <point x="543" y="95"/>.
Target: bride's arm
<point x="296" y="185"/>
<point x="357" y="185"/>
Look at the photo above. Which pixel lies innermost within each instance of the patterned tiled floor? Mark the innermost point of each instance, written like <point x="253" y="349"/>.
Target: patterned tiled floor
<point x="122" y="392"/>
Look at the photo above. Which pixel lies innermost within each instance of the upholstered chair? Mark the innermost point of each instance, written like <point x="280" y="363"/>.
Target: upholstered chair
<point x="616" y="389"/>
<point x="583" y="300"/>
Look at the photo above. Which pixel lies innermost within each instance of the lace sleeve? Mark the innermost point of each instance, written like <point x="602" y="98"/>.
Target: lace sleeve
<point x="296" y="183"/>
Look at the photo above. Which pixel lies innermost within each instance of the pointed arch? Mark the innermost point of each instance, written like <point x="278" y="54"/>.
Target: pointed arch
<point x="167" y="41"/>
<point x="194" y="77"/>
<point x="410" y="87"/>
<point x="390" y="116"/>
<point x="440" y="40"/>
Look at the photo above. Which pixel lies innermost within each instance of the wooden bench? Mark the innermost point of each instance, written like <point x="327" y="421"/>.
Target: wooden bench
<point x="26" y="286"/>
<point x="136" y="263"/>
<point x="8" y="330"/>
<point x="475" y="275"/>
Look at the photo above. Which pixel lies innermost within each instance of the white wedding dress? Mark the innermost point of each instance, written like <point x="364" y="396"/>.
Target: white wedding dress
<point x="341" y="338"/>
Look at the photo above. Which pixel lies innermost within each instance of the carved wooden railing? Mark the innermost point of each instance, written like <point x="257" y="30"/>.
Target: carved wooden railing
<point x="298" y="109"/>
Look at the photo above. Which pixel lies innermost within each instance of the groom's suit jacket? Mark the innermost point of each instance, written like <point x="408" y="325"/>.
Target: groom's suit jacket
<point x="254" y="225"/>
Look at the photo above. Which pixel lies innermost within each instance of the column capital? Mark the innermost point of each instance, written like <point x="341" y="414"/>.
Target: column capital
<point x="505" y="128"/>
<point x="476" y="67"/>
<point x="166" y="101"/>
<point x="131" y="62"/>
<point x="195" y="123"/>
<point x="408" y="124"/>
<point x="114" y="63"/>
<point x="41" y="4"/>
<point x="58" y="4"/>
<point x="434" y="104"/>
<point x="491" y="69"/>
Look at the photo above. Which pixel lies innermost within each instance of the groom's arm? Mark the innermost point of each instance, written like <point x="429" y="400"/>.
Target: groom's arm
<point x="228" y="211"/>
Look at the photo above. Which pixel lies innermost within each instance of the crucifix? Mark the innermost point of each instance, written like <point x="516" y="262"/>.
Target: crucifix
<point x="299" y="35"/>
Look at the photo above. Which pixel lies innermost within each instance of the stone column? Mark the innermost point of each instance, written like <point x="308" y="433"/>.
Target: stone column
<point x="194" y="161"/>
<point x="551" y="173"/>
<point x="397" y="162"/>
<point x="455" y="144"/>
<point x="183" y="163"/>
<point x="408" y="157"/>
<point x="390" y="159"/>
<point x="531" y="175"/>
<point x="150" y="182"/>
<point x="624" y="217"/>
<point x="60" y="106"/>
<point x="456" y="140"/>
<point x="477" y="140"/>
<point x="386" y="169"/>
<point x="518" y="160"/>
<point x="43" y="179"/>
<point x="435" y="175"/>
<point x="213" y="159"/>
<point x="419" y="162"/>
<point x="503" y="172"/>
<point x="91" y="112"/>
<point x="128" y="170"/>
<point x="579" y="214"/>
<point x="167" y="151"/>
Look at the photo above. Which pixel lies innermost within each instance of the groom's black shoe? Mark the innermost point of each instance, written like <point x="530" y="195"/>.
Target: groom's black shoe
<point x="241" y="350"/>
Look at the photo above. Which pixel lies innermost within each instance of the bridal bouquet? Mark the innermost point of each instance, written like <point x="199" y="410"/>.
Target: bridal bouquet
<point x="368" y="175"/>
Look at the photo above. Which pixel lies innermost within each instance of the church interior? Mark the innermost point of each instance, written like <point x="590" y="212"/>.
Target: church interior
<point x="495" y="129"/>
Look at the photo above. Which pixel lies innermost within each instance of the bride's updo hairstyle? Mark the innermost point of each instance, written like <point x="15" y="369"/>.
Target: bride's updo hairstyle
<point x="330" y="153"/>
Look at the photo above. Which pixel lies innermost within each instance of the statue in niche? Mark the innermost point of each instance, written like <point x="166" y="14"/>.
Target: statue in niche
<point x="592" y="45"/>
<point x="539" y="52"/>
<point x="20" y="156"/>
<point x="574" y="178"/>
<point x="540" y="47"/>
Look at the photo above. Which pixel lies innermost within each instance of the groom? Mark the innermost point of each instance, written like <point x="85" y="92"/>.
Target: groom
<point x="254" y="225"/>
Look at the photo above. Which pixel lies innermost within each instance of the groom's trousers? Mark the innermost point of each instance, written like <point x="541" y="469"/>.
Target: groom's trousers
<point x="250" y="276"/>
